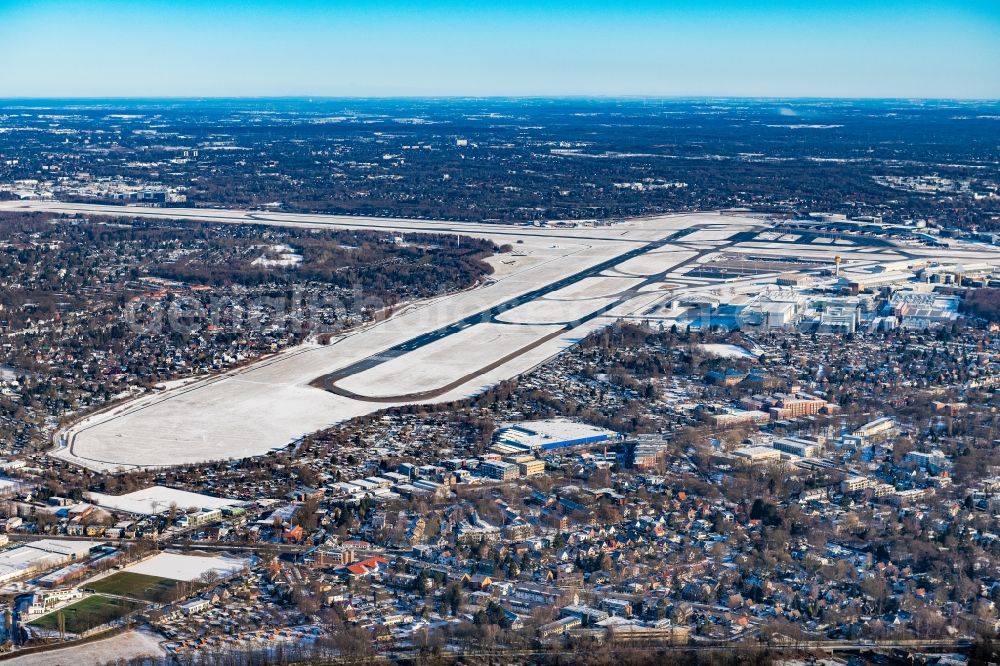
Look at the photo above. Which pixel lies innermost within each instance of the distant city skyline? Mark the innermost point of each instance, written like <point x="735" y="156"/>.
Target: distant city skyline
<point x="772" y="48"/>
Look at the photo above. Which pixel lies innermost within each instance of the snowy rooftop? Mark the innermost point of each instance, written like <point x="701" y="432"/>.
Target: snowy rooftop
<point x="536" y="434"/>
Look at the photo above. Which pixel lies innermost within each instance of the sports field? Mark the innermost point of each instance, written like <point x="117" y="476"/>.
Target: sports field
<point x="141" y="586"/>
<point x="87" y="613"/>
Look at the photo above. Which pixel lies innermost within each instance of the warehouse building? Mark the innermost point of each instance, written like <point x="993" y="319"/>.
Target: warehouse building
<point x="549" y="434"/>
<point x="758" y="455"/>
<point x="799" y="446"/>
<point x="38" y="556"/>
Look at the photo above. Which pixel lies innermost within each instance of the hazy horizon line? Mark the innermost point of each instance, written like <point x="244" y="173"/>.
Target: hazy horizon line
<point x="500" y="96"/>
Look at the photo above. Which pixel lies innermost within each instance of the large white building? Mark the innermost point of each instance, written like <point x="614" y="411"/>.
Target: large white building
<point x="878" y="429"/>
<point x="919" y="310"/>
<point x="549" y="434"/>
<point x="799" y="446"/>
<point x="757" y="455"/>
<point x="772" y="312"/>
<point x="38" y="556"/>
<point x="840" y="318"/>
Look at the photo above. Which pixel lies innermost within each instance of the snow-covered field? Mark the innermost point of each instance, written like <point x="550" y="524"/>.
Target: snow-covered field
<point x="270" y="404"/>
<point x="658" y="286"/>
<point x="513" y="262"/>
<point x="279" y="256"/>
<point x="546" y="311"/>
<point x="444" y="361"/>
<point x="652" y="263"/>
<point x="595" y="287"/>
<point x="186" y="567"/>
<point x="725" y="351"/>
<point x="637" y="306"/>
<point x="158" y="499"/>
<point x="710" y="234"/>
<point x="124" y="646"/>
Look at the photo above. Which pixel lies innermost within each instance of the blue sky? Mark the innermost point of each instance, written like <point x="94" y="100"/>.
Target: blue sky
<point x="888" y="48"/>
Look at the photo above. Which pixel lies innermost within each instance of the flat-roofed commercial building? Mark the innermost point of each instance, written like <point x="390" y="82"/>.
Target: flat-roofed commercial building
<point x="798" y="446"/>
<point x="551" y="434"/>
<point x="528" y="465"/>
<point x="876" y="430"/>
<point x="499" y="470"/>
<point x="757" y="455"/>
<point x="38" y="556"/>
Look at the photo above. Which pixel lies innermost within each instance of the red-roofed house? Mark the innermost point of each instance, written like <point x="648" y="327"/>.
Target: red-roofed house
<point x="366" y="568"/>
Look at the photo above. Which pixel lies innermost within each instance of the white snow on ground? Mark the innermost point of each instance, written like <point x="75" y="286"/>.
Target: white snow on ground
<point x="186" y="567"/>
<point x="725" y="351"/>
<point x="545" y="311"/>
<point x="158" y="499"/>
<point x="513" y="262"/>
<point x="779" y="250"/>
<point x="658" y="286"/>
<point x="714" y="234"/>
<point x="652" y="263"/>
<point x="125" y="646"/>
<point x="526" y="361"/>
<point x="270" y="403"/>
<point x="176" y="383"/>
<point x="443" y="361"/>
<point x="594" y="287"/>
<point x="236" y="416"/>
<point x="278" y="256"/>
<point x="637" y="306"/>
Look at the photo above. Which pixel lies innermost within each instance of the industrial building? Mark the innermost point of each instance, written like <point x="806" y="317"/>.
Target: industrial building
<point x="840" y="319"/>
<point x="37" y="556"/>
<point x="799" y="446"/>
<point x="757" y="455"/>
<point x="772" y="311"/>
<point x="918" y="310"/>
<point x="872" y="278"/>
<point x="549" y="434"/>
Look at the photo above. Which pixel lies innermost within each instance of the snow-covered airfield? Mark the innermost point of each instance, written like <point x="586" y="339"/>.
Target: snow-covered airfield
<point x="557" y="285"/>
